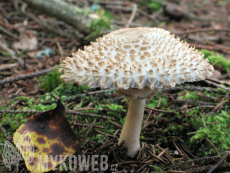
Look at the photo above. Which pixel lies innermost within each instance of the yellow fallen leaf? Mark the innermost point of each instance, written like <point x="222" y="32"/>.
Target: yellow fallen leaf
<point x="45" y="140"/>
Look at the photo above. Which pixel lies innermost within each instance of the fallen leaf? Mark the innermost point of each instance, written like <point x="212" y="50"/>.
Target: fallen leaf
<point x="48" y="141"/>
<point x="215" y="75"/>
<point x="174" y="11"/>
<point x="27" y="40"/>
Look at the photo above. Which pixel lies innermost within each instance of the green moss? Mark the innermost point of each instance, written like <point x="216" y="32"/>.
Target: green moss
<point x="98" y="25"/>
<point x="153" y="102"/>
<point x="53" y="85"/>
<point x="117" y="111"/>
<point x="51" y="80"/>
<point x="155" y="5"/>
<point x="222" y="90"/>
<point x="216" y="59"/>
<point x="217" y="131"/>
<point x="157" y="169"/>
<point x="191" y="95"/>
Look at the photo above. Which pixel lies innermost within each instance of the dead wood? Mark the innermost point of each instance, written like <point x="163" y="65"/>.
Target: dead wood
<point x="68" y="13"/>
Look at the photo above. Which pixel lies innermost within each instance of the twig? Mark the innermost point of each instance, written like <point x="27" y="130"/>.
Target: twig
<point x="162" y="152"/>
<point x="98" y="131"/>
<point x="214" y="48"/>
<point x="119" y="7"/>
<point x="159" y="110"/>
<point x="11" y="52"/>
<point x="192" y="161"/>
<point x="214" y="147"/>
<point x="203" y="95"/>
<point x="67" y="112"/>
<point x="30" y="75"/>
<point x="150" y="112"/>
<point x="146" y="164"/>
<point x="219" y="105"/>
<point x="123" y="23"/>
<point x="188" y="152"/>
<point x="195" y="17"/>
<point x="116" y="124"/>
<point x="110" y="2"/>
<point x="8" y="32"/>
<point x="204" y="125"/>
<point x="79" y="124"/>
<point x="202" y="30"/>
<point x="7" y="66"/>
<point x="90" y="115"/>
<point x="178" y="149"/>
<point x="218" y="164"/>
<point x="132" y="15"/>
<point x="152" y="17"/>
<point x="78" y="96"/>
<point x="44" y="23"/>
<point x="192" y="101"/>
<point x="216" y="85"/>
<point x="165" y="152"/>
<point x="89" y="127"/>
<point x="191" y="88"/>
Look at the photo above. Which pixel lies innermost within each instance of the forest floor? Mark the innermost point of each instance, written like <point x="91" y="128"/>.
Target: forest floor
<point x="185" y="129"/>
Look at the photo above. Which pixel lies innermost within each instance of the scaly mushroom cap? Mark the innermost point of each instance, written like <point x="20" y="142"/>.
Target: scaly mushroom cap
<point x="136" y="58"/>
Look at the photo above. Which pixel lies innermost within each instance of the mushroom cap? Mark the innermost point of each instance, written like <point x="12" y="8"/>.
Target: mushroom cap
<point x="136" y="58"/>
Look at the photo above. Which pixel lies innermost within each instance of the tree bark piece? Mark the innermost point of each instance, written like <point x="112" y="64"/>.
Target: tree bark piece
<point x="70" y="14"/>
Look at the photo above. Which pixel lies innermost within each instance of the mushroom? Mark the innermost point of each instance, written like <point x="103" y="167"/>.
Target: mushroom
<point x="136" y="62"/>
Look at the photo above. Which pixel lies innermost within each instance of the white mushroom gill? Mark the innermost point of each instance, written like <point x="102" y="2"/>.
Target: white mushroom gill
<point x="135" y="62"/>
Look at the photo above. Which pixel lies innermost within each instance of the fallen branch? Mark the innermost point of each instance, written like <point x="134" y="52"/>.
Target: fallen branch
<point x="44" y="23"/>
<point x="202" y="30"/>
<point x="218" y="164"/>
<point x="132" y="15"/>
<point x="68" y="13"/>
<point x="208" y="19"/>
<point x="30" y="75"/>
<point x="67" y="112"/>
<point x="11" y="52"/>
<point x="213" y="48"/>
<point x="7" y="66"/>
<point x="190" y="88"/>
<point x="217" y="85"/>
<point x="218" y="154"/>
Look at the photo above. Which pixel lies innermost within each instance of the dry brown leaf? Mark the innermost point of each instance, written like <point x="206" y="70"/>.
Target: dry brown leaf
<point x="26" y="41"/>
<point x="216" y="75"/>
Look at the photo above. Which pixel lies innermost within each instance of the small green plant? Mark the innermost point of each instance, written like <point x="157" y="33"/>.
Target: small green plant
<point x="51" y="80"/>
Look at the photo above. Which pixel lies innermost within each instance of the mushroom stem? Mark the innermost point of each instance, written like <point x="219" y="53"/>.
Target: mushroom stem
<point x="132" y="127"/>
